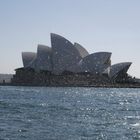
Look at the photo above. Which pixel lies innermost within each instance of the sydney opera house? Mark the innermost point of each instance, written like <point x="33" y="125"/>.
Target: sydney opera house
<point x="66" y="63"/>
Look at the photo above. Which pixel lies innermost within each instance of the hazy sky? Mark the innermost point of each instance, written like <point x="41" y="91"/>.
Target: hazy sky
<point x="98" y="25"/>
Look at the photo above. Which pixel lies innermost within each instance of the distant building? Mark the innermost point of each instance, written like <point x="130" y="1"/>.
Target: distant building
<point x="5" y="78"/>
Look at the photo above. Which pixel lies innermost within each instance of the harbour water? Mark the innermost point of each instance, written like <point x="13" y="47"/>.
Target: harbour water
<point x="66" y="113"/>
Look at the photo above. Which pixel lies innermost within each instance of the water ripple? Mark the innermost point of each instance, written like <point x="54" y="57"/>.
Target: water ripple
<point x="69" y="113"/>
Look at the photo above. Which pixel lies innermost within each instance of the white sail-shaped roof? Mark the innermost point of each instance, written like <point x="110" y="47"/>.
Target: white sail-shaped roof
<point x="27" y="58"/>
<point x="118" y="68"/>
<point x="64" y="55"/>
<point x="96" y="63"/>
<point x="43" y="59"/>
<point x="83" y="52"/>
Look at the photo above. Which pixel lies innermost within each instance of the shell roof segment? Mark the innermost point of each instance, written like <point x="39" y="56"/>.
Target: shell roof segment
<point x="83" y="52"/>
<point x="43" y="59"/>
<point x="64" y="54"/>
<point x="117" y="68"/>
<point x="27" y="58"/>
<point x="96" y="62"/>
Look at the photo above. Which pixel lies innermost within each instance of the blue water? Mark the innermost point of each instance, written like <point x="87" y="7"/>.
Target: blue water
<point x="35" y="113"/>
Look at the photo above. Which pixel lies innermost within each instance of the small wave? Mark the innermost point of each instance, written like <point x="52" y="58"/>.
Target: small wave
<point x="4" y="104"/>
<point x="43" y="104"/>
<point x="27" y="90"/>
<point x="1" y="130"/>
<point x="135" y="125"/>
<point x="20" y="89"/>
<point x="54" y="107"/>
<point x="132" y="117"/>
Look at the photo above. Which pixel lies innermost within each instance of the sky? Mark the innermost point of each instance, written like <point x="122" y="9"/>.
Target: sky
<point x="98" y="25"/>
